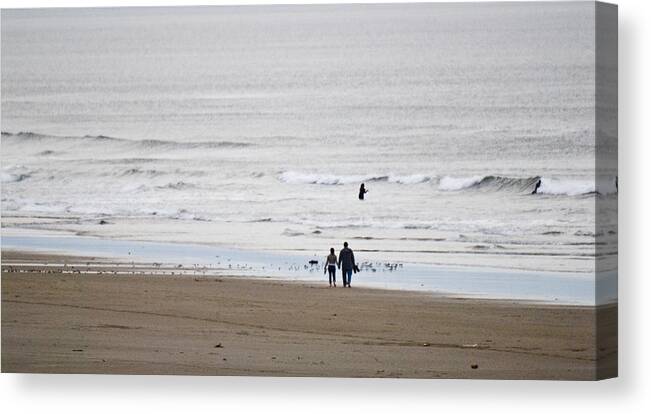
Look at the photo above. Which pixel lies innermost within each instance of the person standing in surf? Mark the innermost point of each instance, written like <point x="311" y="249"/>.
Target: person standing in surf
<point x="362" y="191"/>
<point x="331" y="268"/>
<point x="538" y="184"/>
<point x="346" y="263"/>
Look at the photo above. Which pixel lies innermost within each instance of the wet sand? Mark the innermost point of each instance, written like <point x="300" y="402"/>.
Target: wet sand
<point x="84" y="322"/>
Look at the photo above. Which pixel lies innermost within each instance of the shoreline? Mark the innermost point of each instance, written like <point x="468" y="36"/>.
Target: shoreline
<point x="27" y="262"/>
<point x="216" y="325"/>
<point x="454" y="281"/>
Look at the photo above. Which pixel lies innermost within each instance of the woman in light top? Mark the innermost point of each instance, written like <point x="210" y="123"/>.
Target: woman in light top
<point x="331" y="267"/>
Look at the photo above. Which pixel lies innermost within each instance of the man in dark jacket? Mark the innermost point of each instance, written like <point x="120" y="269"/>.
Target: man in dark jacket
<point x="346" y="263"/>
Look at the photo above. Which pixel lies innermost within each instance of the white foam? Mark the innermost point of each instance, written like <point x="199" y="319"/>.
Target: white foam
<point x="458" y="183"/>
<point x="40" y="207"/>
<point x="409" y="179"/>
<point x="555" y="186"/>
<point x="14" y="174"/>
<point x="11" y="178"/>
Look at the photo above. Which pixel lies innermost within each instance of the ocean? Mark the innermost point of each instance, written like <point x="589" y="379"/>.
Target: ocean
<point x="253" y="127"/>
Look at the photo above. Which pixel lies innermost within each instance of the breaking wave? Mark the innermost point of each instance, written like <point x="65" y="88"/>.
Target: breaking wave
<point x="487" y="183"/>
<point x="14" y="174"/>
<point x="409" y="179"/>
<point x="569" y="187"/>
<point x="458" y="183"/>
<point x="13" y="178"/>
<point x="549" y="186"/>
<point x="293" y="177"/>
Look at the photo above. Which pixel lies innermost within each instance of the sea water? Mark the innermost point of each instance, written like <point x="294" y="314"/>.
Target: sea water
<point x="253" y="127"/>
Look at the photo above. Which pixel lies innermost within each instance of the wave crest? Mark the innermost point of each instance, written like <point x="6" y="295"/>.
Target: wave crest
<point x="486" y="183"/>
<point x="549" y="186"/>
<point x="293" y="177"/>
<point x="14" y="174"/>
<point x="26" y="136"/>
<point x="458" y="183"/>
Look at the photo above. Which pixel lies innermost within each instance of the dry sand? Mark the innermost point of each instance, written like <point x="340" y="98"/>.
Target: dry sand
<point x="144" y="324"/>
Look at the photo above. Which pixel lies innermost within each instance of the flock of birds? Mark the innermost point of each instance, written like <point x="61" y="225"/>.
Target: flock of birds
<point x="133" y="268"/>
<point x="368" y="266"/>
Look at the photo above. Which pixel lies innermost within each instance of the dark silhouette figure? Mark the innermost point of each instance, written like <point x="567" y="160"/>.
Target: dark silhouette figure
<point x="362" y="191"/>
<point x="538" y="184"/>
<point x="346" y="263"/>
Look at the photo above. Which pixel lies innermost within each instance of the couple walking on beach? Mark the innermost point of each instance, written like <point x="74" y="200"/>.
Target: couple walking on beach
<point x="346" y="263"/>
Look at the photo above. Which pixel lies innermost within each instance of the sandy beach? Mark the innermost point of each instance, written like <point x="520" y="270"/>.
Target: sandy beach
<point x="55" y="322"/>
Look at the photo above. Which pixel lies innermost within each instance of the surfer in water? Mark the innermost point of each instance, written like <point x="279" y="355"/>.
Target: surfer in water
<point x="362" y="191"/>
<point x="538" y="184"/>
